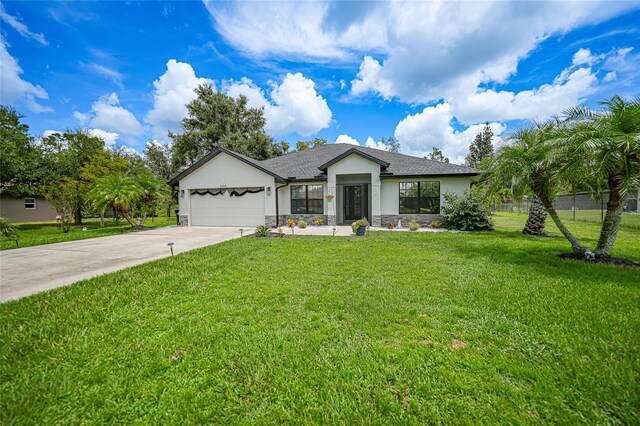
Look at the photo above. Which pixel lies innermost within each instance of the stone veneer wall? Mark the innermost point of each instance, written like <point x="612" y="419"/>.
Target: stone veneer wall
<point x="422" y="219"/>
<point x="376" y="221"/>
<point x="184" y="220"/>
<point x="309" y="218"/>
<point x="270" y="221"/>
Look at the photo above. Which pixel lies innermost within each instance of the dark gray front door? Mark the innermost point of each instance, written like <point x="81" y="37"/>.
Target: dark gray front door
<point x="353" y="202"/>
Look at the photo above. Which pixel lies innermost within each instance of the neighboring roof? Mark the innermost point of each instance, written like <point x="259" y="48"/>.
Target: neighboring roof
<point x="307" y="164"/>
<point x="311" y="164"/>
<point x="250" y="161"/>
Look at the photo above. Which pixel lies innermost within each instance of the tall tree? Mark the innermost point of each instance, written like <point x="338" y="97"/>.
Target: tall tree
<point x="21" y="171"/>
<point x="481" y="148"/>
<point x="437" y="155"/>
<point x="66" y="153"/>
<point x="392" y="143"/>
<point x="302" y="145"/>
<point x="527" y="166"/>
<point x="535" y="224"/>
<point x="217" y="120"/>
<point x="608" y="142"/>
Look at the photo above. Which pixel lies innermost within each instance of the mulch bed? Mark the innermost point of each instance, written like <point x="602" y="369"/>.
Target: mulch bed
<point x="269" y="235"/>
<point x="610" y="260"/>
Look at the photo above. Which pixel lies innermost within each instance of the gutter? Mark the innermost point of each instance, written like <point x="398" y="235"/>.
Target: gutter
<point x="277" y="208"/>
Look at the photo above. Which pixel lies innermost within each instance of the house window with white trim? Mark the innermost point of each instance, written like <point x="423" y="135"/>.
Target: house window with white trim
<point x="30" y="203"/>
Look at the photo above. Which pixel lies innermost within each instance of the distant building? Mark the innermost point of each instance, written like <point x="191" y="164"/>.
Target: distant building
<point x="26" y="209"/>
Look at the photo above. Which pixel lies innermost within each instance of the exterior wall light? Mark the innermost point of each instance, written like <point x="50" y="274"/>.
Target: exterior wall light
<point x="182" y="193"/>
<point x="268" y="190"/>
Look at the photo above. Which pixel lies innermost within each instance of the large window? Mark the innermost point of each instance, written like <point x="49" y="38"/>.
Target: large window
<point x="307" y="199"/>
<point x="420" y="197"/>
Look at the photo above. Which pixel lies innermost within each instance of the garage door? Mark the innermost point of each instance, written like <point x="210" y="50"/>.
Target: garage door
<point x="227" y="210"/>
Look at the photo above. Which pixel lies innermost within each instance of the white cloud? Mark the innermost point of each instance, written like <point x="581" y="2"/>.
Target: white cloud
<point x="172" y="92"/>
<point x="48" y="133"/>
<point x="370" y="143"/>
<point x="610" y="76"/>
<point x="432" y="127"/>
<point x="13" y="89"/>
<point x="346" y="139"/>
<point x="110" y="138"/>
<point x="568" y="89"/>
<point x="109" y="73"/>
<point x="107" y="114"/>
<point x="294" y="104"/>
<point x="418" y="52"/>
<point x="82" y="118"/>
<point x="584" y="57"/>
<point x="20" y="27"/>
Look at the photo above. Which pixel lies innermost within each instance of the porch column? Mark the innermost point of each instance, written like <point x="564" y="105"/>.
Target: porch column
<point x="330" y="208"/>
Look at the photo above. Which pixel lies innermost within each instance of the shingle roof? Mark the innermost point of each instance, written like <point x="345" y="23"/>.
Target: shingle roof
<point x="305" y="164"/>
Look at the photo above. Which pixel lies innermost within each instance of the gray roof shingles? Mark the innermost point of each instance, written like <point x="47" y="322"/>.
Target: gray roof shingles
<point x="304" y="164"/>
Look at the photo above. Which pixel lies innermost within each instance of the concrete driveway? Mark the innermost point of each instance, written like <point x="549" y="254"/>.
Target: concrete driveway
<point x="31" y="270"/>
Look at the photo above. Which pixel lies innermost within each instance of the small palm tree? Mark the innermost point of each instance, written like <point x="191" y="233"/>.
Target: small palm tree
<point x="118" y="192"/>
<point x="525" y="165"/>
<point x="7" y="229"/>
<point x="609" y="142"/>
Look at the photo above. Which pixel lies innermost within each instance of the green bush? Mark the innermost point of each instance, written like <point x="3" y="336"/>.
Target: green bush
<point x="302" y="224"/>
<point x="262" y="231"/>
<point x="6" y="228"/>
<point x="413" y="225"/>
<point x="466" y="212"/>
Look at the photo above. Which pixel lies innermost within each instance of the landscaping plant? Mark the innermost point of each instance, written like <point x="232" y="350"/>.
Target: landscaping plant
<point x="435" y="224"/>
<point x="318" y="222"/>
<point x="390" y="226"/>
<point x="535" y="224"/>
<point x="302" y="224"/>
<point x="291" y="223"/>
<point x="262" y="231"/>
<point x="466" y="212"/>
<point x="359" y="223"/>
<point x="413" y="225"/>
<point x="7" y="229"/>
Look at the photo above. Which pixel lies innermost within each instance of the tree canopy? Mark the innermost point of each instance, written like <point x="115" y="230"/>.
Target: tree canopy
<point x="481" y="148"/>
<point x="218" y="120"/>
<point x="437" y="155"/>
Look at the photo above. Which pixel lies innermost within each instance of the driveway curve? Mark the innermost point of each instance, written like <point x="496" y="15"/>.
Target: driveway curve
<point x="30" y="270"/>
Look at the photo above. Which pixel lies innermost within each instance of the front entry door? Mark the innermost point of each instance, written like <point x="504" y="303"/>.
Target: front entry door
<point x="353" y="202"/>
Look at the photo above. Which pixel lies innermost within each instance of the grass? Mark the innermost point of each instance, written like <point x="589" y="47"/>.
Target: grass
<point x="629" y="220"/>
<point x="38" y="233"/>
<point x="392" y="328"/>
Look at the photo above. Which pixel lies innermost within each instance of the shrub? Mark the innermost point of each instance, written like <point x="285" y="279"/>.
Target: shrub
<point x="358" y="223"/>
<point x="291" y="223"/>
<point x="413" y="225"/>
<point x="262" y="231"/>
<point x="6" y="228"/>
<point x="318" y="222"/>
<point x="390" y="226"/>
<point x="466" y="212"/>
<point x="435" y="224"/>
<point x="302" y="224"/>
<point x="279" y="230"/>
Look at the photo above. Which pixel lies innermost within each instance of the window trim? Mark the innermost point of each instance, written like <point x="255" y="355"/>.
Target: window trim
<point x="418" y="182"/>
<point x="35" y="206"/>
<point x="306" y="198"/>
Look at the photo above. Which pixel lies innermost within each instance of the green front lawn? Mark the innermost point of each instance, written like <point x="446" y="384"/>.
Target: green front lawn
<point x="391" y="328"/>
<point x="38" y="233"/>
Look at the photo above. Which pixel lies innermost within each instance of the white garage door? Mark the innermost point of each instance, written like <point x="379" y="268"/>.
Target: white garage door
<point x="225" y="210"/>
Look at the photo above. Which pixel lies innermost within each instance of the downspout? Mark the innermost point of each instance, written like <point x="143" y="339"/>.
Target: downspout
<point x="277" y="207"/>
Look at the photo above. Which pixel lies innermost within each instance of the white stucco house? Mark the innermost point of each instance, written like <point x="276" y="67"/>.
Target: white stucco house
<point x="335" y="182"/>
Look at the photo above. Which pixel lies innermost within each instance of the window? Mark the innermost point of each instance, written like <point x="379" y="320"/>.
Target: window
<point x="420" y="197"/>
<point x="307" y="199"/>
<point x="30" y="203"/>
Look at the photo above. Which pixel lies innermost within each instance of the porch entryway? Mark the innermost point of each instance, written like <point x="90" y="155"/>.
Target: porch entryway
<point x="354" y="198"/>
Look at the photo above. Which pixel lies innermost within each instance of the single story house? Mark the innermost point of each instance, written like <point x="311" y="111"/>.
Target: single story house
<point x="337" y="183"/>
<point x="26" y="209"/>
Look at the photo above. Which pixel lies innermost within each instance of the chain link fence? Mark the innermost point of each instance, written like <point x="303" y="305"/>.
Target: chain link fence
<point x="581" y="206"/>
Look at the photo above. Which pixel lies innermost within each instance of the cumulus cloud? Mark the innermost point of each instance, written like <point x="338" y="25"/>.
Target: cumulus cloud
<point x="110" y="138"/>
<point x="419" y="133"/>
<point x="293" y="105"/>
<point x="20" y="27"/>
<point x="13" y="89"/>
<point x="172" y="92"/>
<point x="370" y="143"/>
<point x="346" y="139"/>
<point x="107" y="114"/>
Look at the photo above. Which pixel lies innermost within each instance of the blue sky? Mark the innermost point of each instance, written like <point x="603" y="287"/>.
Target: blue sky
<point x="429" y="74"/>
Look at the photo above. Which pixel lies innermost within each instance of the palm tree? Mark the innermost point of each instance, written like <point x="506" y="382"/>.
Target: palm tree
<point x="118" y="192"/>
<point x="525" y="165"/>
<point x="608" y="140"/>
<point x="536" y="220"/>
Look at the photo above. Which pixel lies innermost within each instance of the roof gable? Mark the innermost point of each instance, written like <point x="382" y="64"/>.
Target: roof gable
<point x="353" y="151"/>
